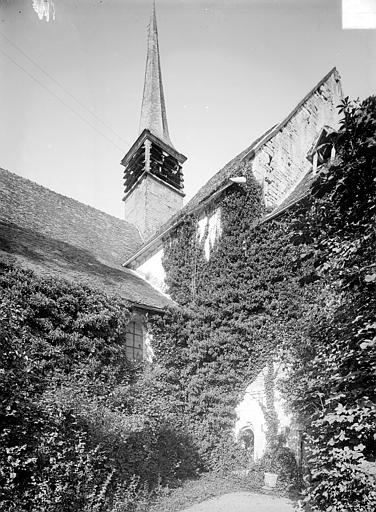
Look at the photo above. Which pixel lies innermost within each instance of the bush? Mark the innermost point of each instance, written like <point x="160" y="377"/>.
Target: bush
<point x="67" y="425"/>
<point x="229" y="456"/>
<point x="79" y="423"/>
<point x="54" y="333"/>
<point x="281" y="460"/>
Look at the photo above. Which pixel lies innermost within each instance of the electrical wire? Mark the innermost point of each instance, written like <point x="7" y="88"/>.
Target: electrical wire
<point x="61" y="101"/>
<point x="62" y="87"/>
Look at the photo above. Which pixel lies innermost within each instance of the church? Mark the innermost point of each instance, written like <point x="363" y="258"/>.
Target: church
<point x="57" y="236"/>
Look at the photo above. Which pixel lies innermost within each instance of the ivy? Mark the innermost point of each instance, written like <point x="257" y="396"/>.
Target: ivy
<point x="81" y="427"/>
<point x="334" y="383"/>
<point x="235" y="309"/>
<point x="301" y="288"/>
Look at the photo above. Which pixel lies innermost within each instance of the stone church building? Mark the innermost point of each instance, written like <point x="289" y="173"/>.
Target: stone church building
<point x="55" y="235"/>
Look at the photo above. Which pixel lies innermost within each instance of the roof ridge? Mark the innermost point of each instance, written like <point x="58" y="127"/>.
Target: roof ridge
<point x="295" y="110"/>
<point x="228" y="165"/>
<point x="222" y="174"/>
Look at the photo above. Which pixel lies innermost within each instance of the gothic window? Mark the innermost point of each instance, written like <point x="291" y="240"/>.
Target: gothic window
<point x="134" y="341"/>
<point x="323" y="150"/>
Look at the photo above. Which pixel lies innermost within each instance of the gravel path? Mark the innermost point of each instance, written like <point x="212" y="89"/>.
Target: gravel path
<point x="243" y="502"/>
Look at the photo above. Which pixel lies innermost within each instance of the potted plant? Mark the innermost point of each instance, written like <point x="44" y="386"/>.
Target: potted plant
<point x="270" y="467"/>
<point x="278" y="462"/>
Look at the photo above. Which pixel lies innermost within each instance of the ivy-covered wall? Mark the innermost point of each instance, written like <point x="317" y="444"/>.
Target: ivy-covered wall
<point x="235" y="307"/>
<point x="301" y="287"/>
<point x="241" y="282"/>
<point x="81" y="426"/>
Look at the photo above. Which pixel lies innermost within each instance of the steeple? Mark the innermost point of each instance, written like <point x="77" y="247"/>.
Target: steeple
<point x="153" y="109"/>
<point x="153" y="177"/>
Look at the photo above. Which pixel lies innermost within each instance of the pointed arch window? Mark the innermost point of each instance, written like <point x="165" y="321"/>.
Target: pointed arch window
<point x="323" y="150"/>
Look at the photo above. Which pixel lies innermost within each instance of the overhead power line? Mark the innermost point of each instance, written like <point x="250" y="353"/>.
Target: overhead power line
<point x="62" y="87"/>
<point x="74" y="111"/>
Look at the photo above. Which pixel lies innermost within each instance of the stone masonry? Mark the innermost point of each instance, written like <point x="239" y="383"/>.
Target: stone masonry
<point x="281" y="161"/>
<point x="150" y="204"/>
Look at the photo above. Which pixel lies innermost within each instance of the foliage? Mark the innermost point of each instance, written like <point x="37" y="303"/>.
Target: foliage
<point x="84" y="429"/>
<point x="132" y="497"/>
<point x="79" y="424"/>
<point x="235" y="309"/>
<point x="268" y="409"/>
<point x="300" y="287"/>
<point x="51" y="331"/>
<point x="229" y="456"/>
<point x="333" y="374"/>
<point x="280" y="459"/>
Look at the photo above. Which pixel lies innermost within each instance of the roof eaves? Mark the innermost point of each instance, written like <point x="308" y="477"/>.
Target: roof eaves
<point x="147" y="134"/>
<point x="301" y="191"/>
<point x="149" y="245"/>
<point x="244" y="155"/>
<point x="146" y="307"/>
<point x="274" y="215"/>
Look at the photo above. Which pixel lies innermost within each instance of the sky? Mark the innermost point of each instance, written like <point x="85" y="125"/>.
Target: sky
<point x="71" y="88"/>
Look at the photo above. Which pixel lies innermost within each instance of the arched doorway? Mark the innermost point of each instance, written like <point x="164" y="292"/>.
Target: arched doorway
<point x="247" y="440"/>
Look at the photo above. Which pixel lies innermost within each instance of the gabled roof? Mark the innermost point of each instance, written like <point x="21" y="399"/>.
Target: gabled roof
<point x="221" y="179"/>
<point x="223" y="175"/>
<point x="34" y="207"/>
<point x="55" y="235"/>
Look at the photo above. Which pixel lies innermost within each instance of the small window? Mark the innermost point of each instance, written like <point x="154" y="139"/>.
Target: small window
<point x="134" y="341"/>
<point x="323" y="150"/>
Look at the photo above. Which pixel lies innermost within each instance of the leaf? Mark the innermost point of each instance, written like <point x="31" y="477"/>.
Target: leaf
<point x="368" y="344"/>
<point x="370" y="278"/>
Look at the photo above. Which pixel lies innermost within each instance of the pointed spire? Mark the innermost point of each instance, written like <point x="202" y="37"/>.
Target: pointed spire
<point x="153" y="110"/>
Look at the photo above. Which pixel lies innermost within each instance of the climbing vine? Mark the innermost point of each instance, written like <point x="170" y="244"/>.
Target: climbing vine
<point x="332" y="376"/>
<point x="81" y="427"/>
<point x="236" y="308"/>
<point x="301" y="286"/>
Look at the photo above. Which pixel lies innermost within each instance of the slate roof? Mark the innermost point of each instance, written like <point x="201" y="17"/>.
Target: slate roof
<point x="55" y="235"/>
<point x="219" y="180"/>
<point x="233" y="168"/>
<point x="153" y="109"/>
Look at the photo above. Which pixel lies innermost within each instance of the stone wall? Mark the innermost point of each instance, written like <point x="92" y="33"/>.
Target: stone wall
<point x="281" y="162"/>
<point x="209" y="230"/>
<point x="153" y="271"/>
<point x="150" y="204"/>
<point x="250" y="413"/>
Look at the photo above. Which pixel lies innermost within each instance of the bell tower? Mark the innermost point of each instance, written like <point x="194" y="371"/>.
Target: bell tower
<point x="153" y="177"/>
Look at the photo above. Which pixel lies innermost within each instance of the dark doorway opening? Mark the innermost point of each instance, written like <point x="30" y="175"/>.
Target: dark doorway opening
<point x="247" y="440"/>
